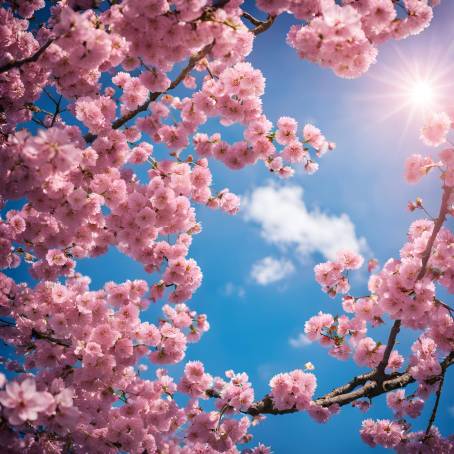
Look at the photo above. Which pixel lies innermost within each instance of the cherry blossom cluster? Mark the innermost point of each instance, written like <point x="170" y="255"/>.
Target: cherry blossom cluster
<point x="391" y="434"/>
<point x="19" y="88"/>
<point x="259" y="145"/>
<point x="22" y="402"/>
<point x="384" y="432"/>
<point x="98" y="338"/>
<point x="236" y="394"/>
<point x="195" y="382"/>
<point x="82" y="50"/>
<point x="64" y="219"/>
<point x="402" y="405"/>
<point x="209" y="431"/>
<point x="293" y="389"/>
<point x="404" y="295"/>
<point x="330" y="274"/>
<point x="344" y="37"/>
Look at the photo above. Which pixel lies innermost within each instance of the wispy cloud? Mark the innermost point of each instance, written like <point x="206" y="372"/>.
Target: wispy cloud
<point x="230" y="289"/>
<point x="269" y="270"/>
<point x="285" y="221"/>
<point x="300" y="341"/>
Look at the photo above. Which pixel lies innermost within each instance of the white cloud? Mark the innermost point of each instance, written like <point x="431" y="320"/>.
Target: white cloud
<point x="285" y="221"/>
<point x="269" y="270"/>
<point x="301" y="341"/>
<point x="230" y="289"/>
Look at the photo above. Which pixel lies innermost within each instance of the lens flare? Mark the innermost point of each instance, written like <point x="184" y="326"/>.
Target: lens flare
<point x="422" y="94"/>
<point x="404" y="89"/>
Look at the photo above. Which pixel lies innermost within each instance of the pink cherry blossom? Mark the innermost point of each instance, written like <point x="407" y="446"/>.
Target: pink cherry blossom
<point x="23" y="401"/>
<point x="435" y="129"/>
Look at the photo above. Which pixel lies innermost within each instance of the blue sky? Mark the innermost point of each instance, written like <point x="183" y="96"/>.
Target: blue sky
<point x="252" y="324"/>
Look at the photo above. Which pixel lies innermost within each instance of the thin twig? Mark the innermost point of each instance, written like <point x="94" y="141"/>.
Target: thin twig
<point x="434" y="410"/>
<point x="57" y="111"/>
<point x="446" y="306"/>
<point x="50" y="96"/>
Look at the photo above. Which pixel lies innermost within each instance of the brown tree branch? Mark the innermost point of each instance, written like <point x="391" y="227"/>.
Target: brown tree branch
<point x="446" y="306"/>
<point x="57" y="111"/>
<point x="155" y="95"/>
<point x="264" y="26"/>
<point x="425" y="259"/>
<point x="369" y="390"/>
<point x="48" y="337"/>
<point x="351" y="385"/>
<point x="252" y="19"/>
<point x="434" y="410"/>
<point x="260" y="25"/>
<point x="389" y="347"/>
<point x="32" y="58"/>
<point x="437" y="226"/>
<point x="38" y="334"/>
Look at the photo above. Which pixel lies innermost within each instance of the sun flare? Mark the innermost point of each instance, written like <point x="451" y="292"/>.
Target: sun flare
<point x="406" y="89"/>
<point x="422" y="94"/>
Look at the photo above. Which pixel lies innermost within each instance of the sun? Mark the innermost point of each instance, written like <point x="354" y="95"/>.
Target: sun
<point x="422" y="94"/>
<point x="405" y="88"/>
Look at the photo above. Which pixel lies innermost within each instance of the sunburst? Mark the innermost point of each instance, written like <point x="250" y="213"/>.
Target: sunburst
<point x="411" y="87"/>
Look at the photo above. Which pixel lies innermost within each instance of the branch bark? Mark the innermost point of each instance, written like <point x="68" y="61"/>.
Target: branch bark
<point x="389" y="347"/>
<point x="32" y="58"/>
<point x="437" y="226"/>
<point x="260" y="26"/>
<point x="434" y="410"/>
<point x="346" y="394"/>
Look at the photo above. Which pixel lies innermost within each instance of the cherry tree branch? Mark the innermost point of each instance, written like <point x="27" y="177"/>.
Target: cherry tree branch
<point x="346" y="394"/>
<point x="441" y="303"/>
<point x="434" y="410"/>
<point x="32" y="58"/>
<point x="262" y="27"/>
<point x="155" y="95"/>
<point x="425" y="259"/>
<point x="437" y="226"/>
<point x="351" y="385"/>
<point x="38" y="334"/>
<point x="389" y="346"/>
<point x="252" y="19"/>
<point x="48" y="337"/>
